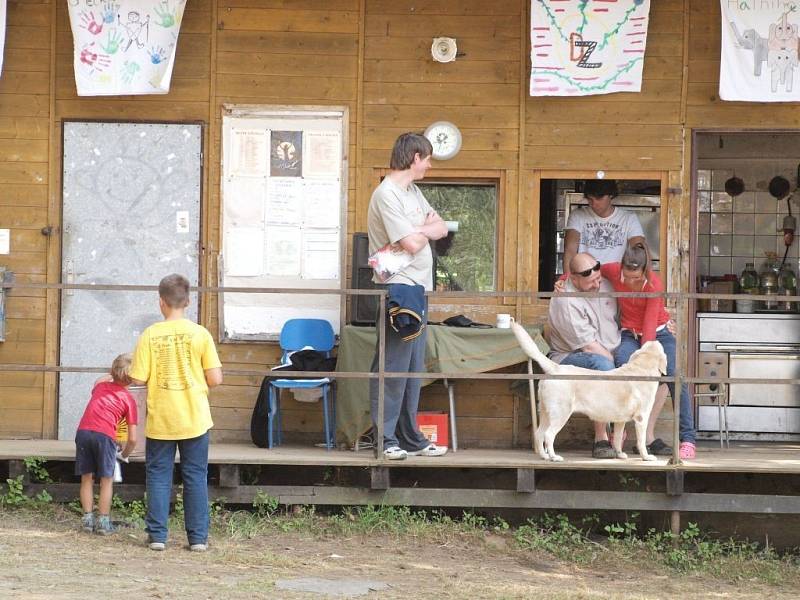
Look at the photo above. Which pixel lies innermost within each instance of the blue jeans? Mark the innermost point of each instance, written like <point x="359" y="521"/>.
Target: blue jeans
<point x="630" y="344"/>
<point x="160" y="462"/>
<point x="588" y="360"/>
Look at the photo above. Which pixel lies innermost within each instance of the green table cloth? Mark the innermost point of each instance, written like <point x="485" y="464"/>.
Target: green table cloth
<point x="448" y="350"/>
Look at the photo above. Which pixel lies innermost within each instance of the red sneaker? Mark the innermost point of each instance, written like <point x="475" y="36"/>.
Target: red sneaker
<point x="688" y="450"/>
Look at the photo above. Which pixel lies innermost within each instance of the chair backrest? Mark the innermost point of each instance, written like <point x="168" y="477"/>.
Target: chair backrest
<point x="299" y="333"/>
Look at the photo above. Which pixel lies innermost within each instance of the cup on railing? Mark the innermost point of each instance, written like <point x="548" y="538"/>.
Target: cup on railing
<point x="503" y="321"/>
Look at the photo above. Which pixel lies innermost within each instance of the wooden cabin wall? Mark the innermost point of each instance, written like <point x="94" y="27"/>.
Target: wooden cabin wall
<point x="24" y="179"/>
<point x="372" y="56"/>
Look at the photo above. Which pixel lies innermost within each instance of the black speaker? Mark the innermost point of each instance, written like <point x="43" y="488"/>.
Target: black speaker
<point x="363" y="309"/>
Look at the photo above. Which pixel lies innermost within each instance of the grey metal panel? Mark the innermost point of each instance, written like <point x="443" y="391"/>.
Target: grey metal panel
<point x="764" y="366"/>
<point x="755" y="419"/>
<point x="124" y="187"/>
<point x="749" y="328"/>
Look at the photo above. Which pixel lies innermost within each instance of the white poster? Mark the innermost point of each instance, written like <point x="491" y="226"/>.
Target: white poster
<point x="249" y="152"/>
<point x="124" y="46"/>
<point x="283" y="251"/>
<point x="321" y="254"/>
<point x="244" y="252"/>
<point x="587" y="47"/>
<point x="759" y="51"/>
<point x="244" y="202"/>
<point x="284" y="200"/>
<point x="321" y="202"/>
<point x="322" y="154"/>
<point x="2" y="31"/>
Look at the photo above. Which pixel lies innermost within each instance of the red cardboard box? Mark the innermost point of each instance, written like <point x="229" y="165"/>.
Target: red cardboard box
<point x="433" y="426"/>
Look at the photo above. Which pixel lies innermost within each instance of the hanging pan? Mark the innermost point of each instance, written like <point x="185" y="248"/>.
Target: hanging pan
<point x="779" y="187"/>
<point x="734" y="186"/>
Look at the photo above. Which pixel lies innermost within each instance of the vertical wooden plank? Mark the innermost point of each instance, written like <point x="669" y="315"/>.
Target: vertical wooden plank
<point x="50" y="404"/>
<point x="360" y="203"/>
<point x="210" y="169"/>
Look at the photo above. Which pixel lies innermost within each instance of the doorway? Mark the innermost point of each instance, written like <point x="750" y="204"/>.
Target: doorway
<point x="131" y="197"/>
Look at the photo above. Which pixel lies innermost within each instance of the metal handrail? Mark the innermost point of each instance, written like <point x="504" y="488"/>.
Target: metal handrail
<point x="678" y="378"/>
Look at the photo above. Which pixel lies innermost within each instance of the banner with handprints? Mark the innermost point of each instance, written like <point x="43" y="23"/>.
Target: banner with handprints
<point x="587" y="47"/>
<point x="759" y="51"/>
<point x="124" y="46"/>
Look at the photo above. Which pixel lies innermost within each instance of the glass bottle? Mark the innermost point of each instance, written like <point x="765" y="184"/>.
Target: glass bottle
<point x="748" y="280"/>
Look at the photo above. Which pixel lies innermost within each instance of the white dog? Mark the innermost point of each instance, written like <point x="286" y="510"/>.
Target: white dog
<point x="605" y="401"/>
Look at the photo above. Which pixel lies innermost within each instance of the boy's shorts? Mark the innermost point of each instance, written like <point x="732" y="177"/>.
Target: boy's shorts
<point x="95" y="452"/>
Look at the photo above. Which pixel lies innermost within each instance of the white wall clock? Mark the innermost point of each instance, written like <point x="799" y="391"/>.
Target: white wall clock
<point x="445" y="139"/>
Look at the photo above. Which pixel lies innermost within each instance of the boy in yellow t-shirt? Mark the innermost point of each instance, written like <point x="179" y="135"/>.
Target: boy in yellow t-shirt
<point x="178" y="362"/>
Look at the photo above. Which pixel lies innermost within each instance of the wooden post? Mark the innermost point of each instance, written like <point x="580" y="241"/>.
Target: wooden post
<point x="229" y="476"/>
<point x="675" y="524"/>
<point x="380" y="478"/>
<point x="526" y="480"/>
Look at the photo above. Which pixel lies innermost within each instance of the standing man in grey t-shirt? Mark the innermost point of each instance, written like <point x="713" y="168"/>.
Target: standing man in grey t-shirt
<point x="600" y="229"/>
<point x="400" y="214"/>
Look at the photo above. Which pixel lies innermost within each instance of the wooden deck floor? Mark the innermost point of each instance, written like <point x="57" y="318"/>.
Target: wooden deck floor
<point x="739" y="458"/>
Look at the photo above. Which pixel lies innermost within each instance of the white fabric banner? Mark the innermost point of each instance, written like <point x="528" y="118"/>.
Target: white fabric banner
<point x="124" y="46"/>
<point x="587" y="47"/>
<point x="759" y="51"/>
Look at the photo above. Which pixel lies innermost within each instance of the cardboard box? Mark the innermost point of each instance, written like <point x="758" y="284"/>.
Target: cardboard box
<point x="434" y="426"/>
<point x="721" y="287"/>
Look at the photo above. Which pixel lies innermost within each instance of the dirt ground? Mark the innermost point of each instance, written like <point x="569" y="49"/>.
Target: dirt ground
<point x="41" y="559"/>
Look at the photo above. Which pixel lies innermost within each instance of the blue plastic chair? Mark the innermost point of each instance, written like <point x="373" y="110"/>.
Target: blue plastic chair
<point x="298" y="334"/>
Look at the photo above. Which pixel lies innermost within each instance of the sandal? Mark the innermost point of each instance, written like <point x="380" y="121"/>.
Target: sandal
<point x="603" y="449"/>
<point x="687" y="450"/>
<point x="659" y="448"/>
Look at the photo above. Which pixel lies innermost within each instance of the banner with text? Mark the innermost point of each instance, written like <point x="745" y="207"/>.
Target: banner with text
<point x="759" y="54"/>
<point x="124" y="46"/>
<point x="587" y="47"/>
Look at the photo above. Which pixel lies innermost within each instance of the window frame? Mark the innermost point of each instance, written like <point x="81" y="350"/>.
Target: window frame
<point x="497" y="178"/>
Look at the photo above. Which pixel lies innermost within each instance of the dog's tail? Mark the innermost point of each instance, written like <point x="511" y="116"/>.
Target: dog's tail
<point x="531" y="349"/>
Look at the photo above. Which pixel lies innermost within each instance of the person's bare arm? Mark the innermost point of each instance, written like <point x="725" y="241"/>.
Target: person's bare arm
<point x="434" y="228"/>
<point x="131" y="444"/>
<point x="597" y="348"/>
<point x="572" y="240"/>
<point x="213" y="376"/>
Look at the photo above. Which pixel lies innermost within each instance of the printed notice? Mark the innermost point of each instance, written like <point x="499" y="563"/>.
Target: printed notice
<point x="321" y="254"/>
<point x="5" y="241"/>
<point x="321" y="203"/>
<point x="244" y="252"/>
<point x="244" y="202"/>
<point x="322" y="154"/>
<point x="286" y="154"/>
<point x="284" y="201"/>
<point x="249" y="153"/>
<point x="283" y="251"/>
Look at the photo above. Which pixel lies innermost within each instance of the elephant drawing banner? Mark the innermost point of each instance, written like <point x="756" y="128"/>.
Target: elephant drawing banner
<point x="124" y="46"/>
<point x="760" y="51"/>
<point x="586" y="47"/>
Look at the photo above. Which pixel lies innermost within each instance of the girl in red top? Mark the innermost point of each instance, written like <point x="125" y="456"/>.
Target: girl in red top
<point x="643" y="320"/>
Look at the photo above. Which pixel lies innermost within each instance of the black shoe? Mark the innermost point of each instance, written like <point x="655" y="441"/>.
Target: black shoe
<point x="603" y="449"/>
<point x="659" y="448"/>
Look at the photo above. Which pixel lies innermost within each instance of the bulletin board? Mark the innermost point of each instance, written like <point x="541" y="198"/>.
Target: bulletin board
<point x="284" y="208"/>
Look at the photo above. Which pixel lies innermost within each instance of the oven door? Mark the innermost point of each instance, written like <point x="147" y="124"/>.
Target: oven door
<point x="752" y="362"/>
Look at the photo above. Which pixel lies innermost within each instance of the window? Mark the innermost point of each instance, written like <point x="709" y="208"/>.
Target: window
<point x="466" y="259"/>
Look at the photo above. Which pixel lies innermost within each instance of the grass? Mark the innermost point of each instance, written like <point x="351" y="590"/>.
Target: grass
<point x="587" y="541"/>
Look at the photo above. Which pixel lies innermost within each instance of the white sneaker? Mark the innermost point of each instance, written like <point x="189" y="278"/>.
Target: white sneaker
<point x="432" y="450"/>
<point x="395" y="453"/>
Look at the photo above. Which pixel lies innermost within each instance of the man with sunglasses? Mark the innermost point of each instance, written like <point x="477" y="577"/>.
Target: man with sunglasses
<point x="584" y="330"/>
<point x="601" y="229"/>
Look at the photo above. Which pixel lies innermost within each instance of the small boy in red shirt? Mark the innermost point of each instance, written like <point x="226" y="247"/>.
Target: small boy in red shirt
<point x="95" y="446"/>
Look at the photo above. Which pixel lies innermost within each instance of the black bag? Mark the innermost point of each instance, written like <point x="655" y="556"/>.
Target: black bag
<point x="302" y="360"/>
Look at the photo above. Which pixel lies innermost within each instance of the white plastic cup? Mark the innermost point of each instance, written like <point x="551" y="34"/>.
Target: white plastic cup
<point x="503" y="321"/>
<point x="452" y="226"/>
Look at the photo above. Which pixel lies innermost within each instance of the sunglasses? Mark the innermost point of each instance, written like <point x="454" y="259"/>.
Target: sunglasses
<point x="589" y="271"/>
